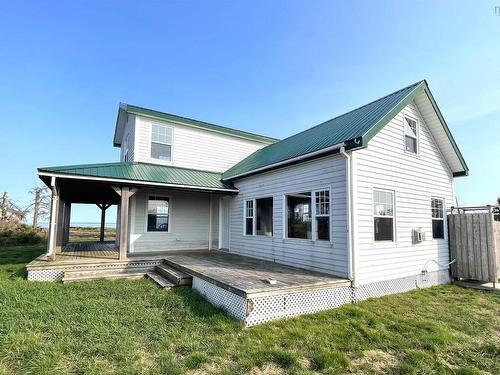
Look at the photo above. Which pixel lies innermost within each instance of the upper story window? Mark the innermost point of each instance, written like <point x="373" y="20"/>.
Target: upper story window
<point x="161" y="142"/>
<point x="411" y="135"/>
<point x="437" y="210"/>
<point x="126" y="147"/>
<point x="383" y="215"/>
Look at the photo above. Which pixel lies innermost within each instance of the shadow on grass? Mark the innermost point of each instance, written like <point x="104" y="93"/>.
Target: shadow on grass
<point x="198" y="306"/>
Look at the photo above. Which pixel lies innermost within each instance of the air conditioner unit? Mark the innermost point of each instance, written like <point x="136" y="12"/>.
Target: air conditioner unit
<point x="417" y="235"/>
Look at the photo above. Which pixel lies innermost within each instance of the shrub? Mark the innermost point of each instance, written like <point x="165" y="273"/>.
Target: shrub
<point x="22" y="235"/>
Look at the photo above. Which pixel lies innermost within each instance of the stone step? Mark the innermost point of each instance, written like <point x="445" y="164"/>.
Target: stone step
<point x="178" y="278"/>
<point x="110" y="273"/>
<point x="160" y="280"/>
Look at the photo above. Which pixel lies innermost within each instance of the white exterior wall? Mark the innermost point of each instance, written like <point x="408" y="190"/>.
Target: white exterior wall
<point x="193" y="147"/>
<point x="324" y="256"/>
<point x="188" y="225"/>
<point x="415" y="179"/>
<point x="129" y="130"/>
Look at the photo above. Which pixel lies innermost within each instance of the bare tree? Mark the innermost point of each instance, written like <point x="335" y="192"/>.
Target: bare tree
<point x="11" y="213"/>
<point x="496" y="210"/>
<point x="40" y="204"/>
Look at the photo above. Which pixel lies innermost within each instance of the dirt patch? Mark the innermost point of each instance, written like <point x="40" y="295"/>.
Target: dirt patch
<point x="377" y="360"/>
<point x="268" y="369"/>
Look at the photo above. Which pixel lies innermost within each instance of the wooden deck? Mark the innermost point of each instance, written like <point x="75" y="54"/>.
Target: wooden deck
<point x="90" y="249"/>
<point x="248" y="277"/>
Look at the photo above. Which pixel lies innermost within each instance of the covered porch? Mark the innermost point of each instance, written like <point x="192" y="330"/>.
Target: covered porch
<point x="144" y="195"/>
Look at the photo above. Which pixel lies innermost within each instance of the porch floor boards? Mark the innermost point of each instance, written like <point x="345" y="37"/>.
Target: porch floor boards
<point x="91" y="249"/>
<point x="247" y="276"/>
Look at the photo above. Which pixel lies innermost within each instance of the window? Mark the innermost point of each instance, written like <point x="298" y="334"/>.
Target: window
<point x="126" y="147"/>
<point x="323" y="215"/>
<point x="305" y="220"/>
<point x="260" y="224"/>
<point x="264" y="225"/>
<point x="411" y="135"/>
<point x="383" y="215"/>
<point x="161" y="142"/>
<point x="249" y="217"/>
<point x="158" y="214"/>
<point x="437" y="210"/>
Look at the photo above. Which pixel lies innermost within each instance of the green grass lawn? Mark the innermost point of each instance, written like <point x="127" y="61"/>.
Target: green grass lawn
<point x="133" y="327"/>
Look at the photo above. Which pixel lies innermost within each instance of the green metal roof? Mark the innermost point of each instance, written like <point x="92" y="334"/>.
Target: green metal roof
<point x="354" y="129"/>
<point x="190" y="122"/>
<point x="144" y="173"/>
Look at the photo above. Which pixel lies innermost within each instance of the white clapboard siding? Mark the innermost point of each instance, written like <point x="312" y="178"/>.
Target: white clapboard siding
<point x="129" y="130"/>
<point x="415" y="179"/>
<point x="189" y="222"/>
<point x="194" y="148"/>
<point x="324" y="256"/>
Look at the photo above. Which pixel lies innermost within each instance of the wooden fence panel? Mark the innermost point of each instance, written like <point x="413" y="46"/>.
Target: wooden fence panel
<point x="473" y="240"/>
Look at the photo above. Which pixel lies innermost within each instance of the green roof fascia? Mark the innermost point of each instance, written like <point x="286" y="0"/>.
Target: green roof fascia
<point x="199" y="124"/>
<point x="144" y="173"/>
<point x="421" y="87"/>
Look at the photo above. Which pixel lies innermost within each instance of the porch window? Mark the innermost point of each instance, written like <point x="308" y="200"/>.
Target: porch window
<point x="437" y="210"/>
<point x="308" y="215"/>
<point x="158" y="214"/>
<point x="411" y="135"/>
<point x="249" y="217"/>
<point x="161" y="142"/>
<point x="383" y="215"/>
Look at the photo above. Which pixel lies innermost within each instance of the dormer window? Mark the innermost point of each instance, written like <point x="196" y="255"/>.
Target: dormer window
<point x="161" y="142"/>
<point x="411" y="135"/>
<point x="126" y="148"/>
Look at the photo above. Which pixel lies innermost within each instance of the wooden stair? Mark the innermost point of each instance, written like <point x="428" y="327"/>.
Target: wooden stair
<point x="160" y="280"/>
<point x="176" y="277"/>
<point x="95" y="274"/>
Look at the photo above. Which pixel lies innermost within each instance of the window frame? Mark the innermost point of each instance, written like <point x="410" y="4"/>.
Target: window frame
<point x="443" y="212"/>
<point x="146" y="205"/>
<point x="171" y="144"/>
<point x="417" y="138"/>
<point x="394" y="234"/>
<point x="313" y="216"/>
<point x="126" y="147"/>
<point x="254" y="217"/>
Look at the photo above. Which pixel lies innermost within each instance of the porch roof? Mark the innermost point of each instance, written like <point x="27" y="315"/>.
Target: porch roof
<point x="141" y="174"/>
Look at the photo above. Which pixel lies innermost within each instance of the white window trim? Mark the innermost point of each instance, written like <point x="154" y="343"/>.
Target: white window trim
<point x="394" y="234"/>
<point x="171" y="144"/>
<point x="254" y="217"/>
<point x="313" y="216"/>
<point x="146" y="204"/>
<point x="436" y="218"/>
<point x="417" y="138"/>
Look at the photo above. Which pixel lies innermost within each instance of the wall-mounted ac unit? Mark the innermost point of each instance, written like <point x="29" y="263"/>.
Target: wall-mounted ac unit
<point x="417" y="235"/>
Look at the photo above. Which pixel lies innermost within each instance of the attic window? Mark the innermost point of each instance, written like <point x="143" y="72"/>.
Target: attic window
<point x="161" y="142"/>
<point x="411" y="135"/>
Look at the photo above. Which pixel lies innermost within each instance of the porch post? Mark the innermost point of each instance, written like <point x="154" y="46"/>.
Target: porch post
<point x="210" y="224"/>
<point x="54" y="213"/>
<point x="67" y="222"/>
<point x="124" y="222"/>
<point x="103" y="207"/>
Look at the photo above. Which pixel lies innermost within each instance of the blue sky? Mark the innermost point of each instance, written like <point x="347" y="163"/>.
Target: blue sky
<point x="271" y="67"/>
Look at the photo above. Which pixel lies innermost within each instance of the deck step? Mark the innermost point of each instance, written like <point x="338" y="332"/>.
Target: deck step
<point x="160" y="280"/>
<point x="176" y="277"/>
<point x="130" y="275"/>
<point x="113" y="273"/>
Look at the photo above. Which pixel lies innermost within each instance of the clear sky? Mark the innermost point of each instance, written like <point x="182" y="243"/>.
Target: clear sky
<point x="271" y="67"/>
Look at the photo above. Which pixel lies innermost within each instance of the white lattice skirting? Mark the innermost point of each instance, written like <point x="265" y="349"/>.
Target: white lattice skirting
<point x="46" y="275"/>
<point x="263" y="309"/>
<point x="401" y="285"/>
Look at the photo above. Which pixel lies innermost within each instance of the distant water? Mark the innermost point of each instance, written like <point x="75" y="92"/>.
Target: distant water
<point x="86" y="224"/>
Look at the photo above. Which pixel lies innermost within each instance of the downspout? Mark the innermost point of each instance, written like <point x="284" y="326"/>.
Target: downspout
<point x="350" y="222"/>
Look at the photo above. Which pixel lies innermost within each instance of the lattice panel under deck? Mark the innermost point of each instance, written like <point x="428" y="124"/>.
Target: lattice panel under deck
<point x="401" y="285"/>
<point x="46" y="275"/>
<point x="264" y="309"/>
<point x="233" y="304"/>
